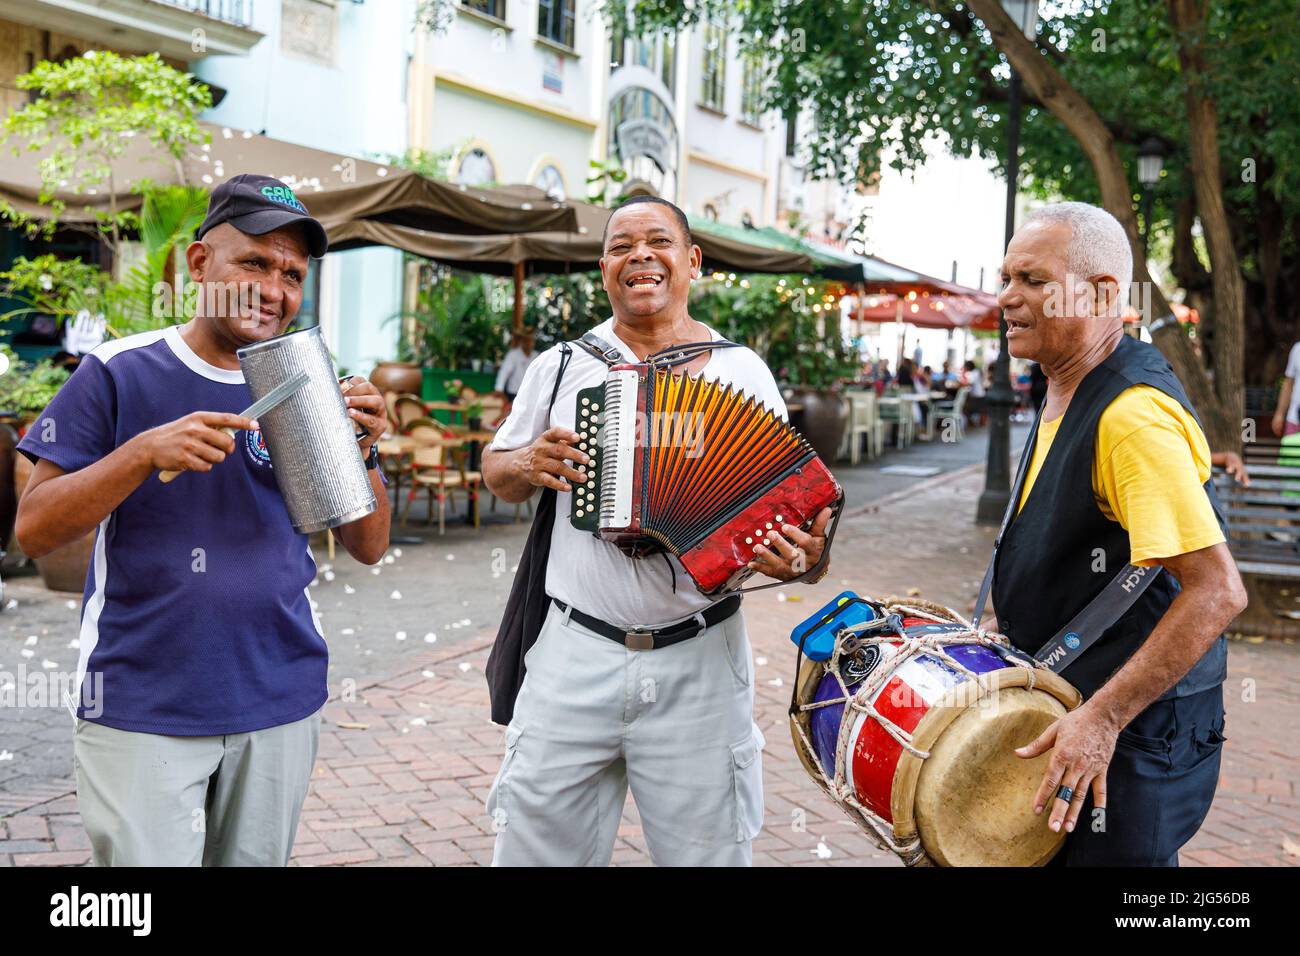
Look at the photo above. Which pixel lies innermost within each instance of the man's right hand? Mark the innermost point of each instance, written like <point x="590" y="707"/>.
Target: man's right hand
<point x="193" y="443"/>
<point x="545" y="462"/>
<point x="1279" y="424"/>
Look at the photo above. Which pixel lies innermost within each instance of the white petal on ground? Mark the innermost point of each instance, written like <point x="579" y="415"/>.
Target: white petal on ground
<point x="31" y="640"/>
<point x="823" y="852"/>
<point x="428" y="674"/>
<point x="430" y="638"/>
<point x="776" y="682"/>
<point x="760" y="661"/>
<point x="401" y="635"/>
<point x="376" y="570"/>
<point x="349" y="589"/>
<point x="6" y="755"/>
<point x="464" y="666"/>
<point x="396" y="595"/>
<point x="72" y="605"/>
<point x="328" y="575"/>
<point x="348" y="631"/>
<point x="48" y="664"/>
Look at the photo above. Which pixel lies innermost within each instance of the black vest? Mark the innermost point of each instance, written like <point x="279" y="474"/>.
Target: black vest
<point x="1060" y="550"/>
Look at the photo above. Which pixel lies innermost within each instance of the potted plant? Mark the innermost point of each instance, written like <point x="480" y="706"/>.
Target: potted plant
<point x="25" y="390"/>
<point x="451" y="326"/>
<point x="474" y="414"/>
<point x="792" y="322"/>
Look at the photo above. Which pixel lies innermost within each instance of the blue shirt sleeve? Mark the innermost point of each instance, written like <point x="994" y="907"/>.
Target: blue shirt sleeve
<point x="78" y="427"/>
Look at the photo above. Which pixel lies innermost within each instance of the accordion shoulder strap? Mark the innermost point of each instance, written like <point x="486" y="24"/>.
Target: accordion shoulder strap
<point x="599" y="349"/>
<point x="670" y="357"/>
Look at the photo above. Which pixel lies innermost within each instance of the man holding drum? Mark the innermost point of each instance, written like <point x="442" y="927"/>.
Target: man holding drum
<point x="197" y="631"/>
<point x="1118" y="475"/>
<point x="636" y="678"/>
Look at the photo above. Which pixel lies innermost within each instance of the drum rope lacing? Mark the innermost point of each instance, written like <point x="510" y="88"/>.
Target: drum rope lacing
<point x="906" y="647"/>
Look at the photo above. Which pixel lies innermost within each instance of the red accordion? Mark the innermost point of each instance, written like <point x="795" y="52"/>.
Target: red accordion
<point x="695" y="468"/>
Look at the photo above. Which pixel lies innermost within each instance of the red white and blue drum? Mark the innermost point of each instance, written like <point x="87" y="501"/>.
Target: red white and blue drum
<point x="960" y="789"/>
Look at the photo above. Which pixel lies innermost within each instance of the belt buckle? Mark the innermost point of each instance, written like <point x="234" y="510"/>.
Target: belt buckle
<point x="638" y="639"/>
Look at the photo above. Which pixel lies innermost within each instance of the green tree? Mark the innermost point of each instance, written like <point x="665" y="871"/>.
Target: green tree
<point x="87" y="113"/>
<point x="1209" y="81"/>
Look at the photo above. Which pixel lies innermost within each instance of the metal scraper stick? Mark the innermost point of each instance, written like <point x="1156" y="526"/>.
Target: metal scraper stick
<point x="260" y="407"/>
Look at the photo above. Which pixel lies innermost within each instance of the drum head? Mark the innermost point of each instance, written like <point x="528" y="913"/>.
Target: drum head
<point x="974" y="795"/>
<point x="810" y="675"/>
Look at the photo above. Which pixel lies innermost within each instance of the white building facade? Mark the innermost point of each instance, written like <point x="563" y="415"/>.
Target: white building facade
<point x="331" y="75"/>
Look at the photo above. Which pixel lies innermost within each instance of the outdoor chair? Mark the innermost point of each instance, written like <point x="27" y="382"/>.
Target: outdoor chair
<point x="864" y="419"/>
<point x="954" y="411"/>
<point x="440" y="470"/>
<point x="407" y="408"/>
<point x="900" y="417"/>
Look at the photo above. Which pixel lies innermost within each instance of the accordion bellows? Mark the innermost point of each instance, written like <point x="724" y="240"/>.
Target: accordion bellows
<point x="693" y="467"/>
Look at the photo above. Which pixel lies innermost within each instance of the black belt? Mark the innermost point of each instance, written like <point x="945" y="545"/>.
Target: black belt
<point x="647" y="639"/>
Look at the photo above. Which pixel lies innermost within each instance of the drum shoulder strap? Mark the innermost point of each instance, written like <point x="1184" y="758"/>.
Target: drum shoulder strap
<point x="1097" y="617"/>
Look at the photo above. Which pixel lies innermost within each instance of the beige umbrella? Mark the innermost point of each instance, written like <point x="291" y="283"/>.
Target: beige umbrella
<point x="331" y="185"/>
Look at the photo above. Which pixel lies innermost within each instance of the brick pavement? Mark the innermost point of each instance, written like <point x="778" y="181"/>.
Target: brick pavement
<point x="406" y="761"/>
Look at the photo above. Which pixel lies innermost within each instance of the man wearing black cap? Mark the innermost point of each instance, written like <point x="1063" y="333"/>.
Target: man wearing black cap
<point x="202" y="664"/>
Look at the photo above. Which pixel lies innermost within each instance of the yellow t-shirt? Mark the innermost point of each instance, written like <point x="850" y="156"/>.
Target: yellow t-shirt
<point x="1148" y="472"/>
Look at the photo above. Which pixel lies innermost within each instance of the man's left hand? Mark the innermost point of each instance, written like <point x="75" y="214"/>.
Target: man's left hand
<point x="793" y="551"/>
<point x="366" y="408"/>
<point x="1082" y="744"/>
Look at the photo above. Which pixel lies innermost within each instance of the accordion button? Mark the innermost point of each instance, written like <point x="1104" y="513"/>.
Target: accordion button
<point x="749" y="541"/>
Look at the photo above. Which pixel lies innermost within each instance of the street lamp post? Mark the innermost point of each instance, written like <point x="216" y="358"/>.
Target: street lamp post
<point x="1151" y="159"/>
<point x="1001" y="398"/>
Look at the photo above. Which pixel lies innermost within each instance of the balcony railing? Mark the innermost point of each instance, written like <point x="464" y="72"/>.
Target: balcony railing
<point x="238" y="12"/>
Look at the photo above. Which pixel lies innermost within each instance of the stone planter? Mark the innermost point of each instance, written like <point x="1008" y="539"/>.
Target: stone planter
<point x="404" y="378"/>
<point x="63" y="569"/>
<point x="822" y="421"/>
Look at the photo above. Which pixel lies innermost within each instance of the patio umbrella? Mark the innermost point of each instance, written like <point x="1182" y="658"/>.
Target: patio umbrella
<point x="892" y="293"/>
<point x="553" y="251"/>
<point x="331" y="185"/>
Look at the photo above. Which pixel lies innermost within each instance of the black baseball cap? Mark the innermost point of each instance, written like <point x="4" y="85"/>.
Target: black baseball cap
<point x="257" y="205"/>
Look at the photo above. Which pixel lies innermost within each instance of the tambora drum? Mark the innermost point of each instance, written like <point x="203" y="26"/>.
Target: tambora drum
<point x="910" y="721"/>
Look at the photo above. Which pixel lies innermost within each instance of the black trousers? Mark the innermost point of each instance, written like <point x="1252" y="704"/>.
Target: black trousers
<point x="1159" y="786"/>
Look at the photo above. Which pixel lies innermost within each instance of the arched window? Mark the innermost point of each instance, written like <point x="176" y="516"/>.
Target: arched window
<point x="551" y="181"/>
<point x="475" y="168"/>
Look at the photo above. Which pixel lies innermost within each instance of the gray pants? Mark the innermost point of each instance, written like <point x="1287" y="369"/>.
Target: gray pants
<point x="592" y="718"/>
<point x="154" y="800"/>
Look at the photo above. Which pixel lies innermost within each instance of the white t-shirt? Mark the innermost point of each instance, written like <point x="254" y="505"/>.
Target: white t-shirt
<point x="976" y="384"/>
<point x="1293" y="373"/>
<point x="513" y="367"/>
<point x="584" y="571"/>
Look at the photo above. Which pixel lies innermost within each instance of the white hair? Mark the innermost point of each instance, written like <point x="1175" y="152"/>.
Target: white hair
<point x="1098" y="243"/>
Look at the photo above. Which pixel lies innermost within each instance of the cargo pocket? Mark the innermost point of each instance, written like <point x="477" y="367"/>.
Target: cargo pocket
<point x="736" y="644"/>
<point x="747" y="786"/>
<point x="498" y="798"/>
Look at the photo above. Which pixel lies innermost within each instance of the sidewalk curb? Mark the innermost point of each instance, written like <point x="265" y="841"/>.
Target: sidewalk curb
<point x="875" y="505"/>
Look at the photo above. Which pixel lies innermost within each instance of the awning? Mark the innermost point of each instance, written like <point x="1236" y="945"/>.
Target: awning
<point x="551" y="252"/>
<point x="331" y="185"/>
<point x="892" y="293"/>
